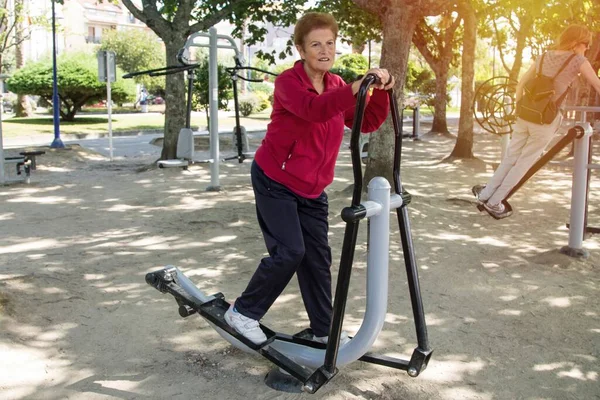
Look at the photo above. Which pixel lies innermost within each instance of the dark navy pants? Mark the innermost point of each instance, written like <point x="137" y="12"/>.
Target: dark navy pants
<point x="295" y="232"/>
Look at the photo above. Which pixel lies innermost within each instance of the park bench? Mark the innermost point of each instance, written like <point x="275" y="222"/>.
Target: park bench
<point x="23" y="164"/>
<point x="31" y="155"/>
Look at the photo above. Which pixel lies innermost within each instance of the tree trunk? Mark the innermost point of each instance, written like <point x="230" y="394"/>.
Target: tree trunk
<point x="522" y="35"/>
<point x="175" y="91"/>
<point x="69" y="115"/>
<point x="398" y="27"/>
<point x="438" y="52"/>
<point x="22" y="107"/>
<point x="464" y="143"/>
<point x="440" y="124"/>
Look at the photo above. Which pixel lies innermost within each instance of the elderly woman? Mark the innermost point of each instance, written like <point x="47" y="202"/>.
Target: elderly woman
<point x="290" y="171"/>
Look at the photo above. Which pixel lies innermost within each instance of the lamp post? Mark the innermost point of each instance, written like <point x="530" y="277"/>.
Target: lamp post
<point x="57" y="143"/>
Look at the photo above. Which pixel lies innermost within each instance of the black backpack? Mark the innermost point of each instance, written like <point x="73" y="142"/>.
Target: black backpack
<point x="536" y="105"/>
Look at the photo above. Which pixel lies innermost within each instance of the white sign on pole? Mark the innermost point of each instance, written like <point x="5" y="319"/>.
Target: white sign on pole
<point x="107" y="72"/>
<point x="106" y="66"/>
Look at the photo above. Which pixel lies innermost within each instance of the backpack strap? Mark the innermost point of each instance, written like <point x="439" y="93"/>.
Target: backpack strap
<point x="562" y="96"/>
<point x="563" y="66"/>
<point x="539" y="71"/>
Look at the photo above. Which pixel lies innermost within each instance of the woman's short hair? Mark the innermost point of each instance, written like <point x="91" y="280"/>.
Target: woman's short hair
<point x="311" y="21"/>
<point x="572" y="36"/>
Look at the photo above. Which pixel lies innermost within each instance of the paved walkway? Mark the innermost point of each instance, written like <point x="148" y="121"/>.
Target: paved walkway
<point x="141" y="145"/>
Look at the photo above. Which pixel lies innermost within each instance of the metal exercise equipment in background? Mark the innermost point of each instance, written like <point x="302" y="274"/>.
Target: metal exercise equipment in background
<point x="239" y="132"/>
<point x="494" y="108"/>
<point x="185" y="138"/>
<point x="215" y="42"/>
<point x="310" y="363"/>
<point x="173" y="69"/>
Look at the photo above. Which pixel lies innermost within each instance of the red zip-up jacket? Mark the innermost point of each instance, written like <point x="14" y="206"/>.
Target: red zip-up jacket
<point x="306" y="129"/>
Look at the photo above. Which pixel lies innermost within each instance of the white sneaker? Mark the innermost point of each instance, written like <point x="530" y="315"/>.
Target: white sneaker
<point x="498" y="211"/>
<point x="323" y="339"/>
<point x="245" y="326"/>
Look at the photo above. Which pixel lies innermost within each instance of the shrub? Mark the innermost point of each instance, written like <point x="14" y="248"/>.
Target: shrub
<point x="247" y="105"/>
<point x="200" y="95"/>
<point x="354" y="62"/>
<point x="78" y="83"/>
<point x="262" y="92"/>
<point x="347" y="75"/>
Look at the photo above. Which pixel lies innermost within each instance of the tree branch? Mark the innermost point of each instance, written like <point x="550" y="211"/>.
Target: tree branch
<point x="421" y="44"/>
<point x="210" y="19"/>
<point x="500" y="52"/>
<point x="149" y="15"/>
<point x="374" y="7"/>
<point x="139" y="14"/>
<point x="184" y="10"/>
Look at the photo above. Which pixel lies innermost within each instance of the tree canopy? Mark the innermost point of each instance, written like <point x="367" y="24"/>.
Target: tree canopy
<point x="137" y="50"/>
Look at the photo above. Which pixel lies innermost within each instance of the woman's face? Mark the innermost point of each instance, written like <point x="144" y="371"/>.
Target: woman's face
<point x="318" y="51"/>
<point x="582" y="47"/>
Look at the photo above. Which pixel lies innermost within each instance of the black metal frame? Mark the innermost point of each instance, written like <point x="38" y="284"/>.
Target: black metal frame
<point x="352" y="215"/>
<point x="213" y="310"/>
<point x="233" y="71"/>
<point x="174" y="69"/>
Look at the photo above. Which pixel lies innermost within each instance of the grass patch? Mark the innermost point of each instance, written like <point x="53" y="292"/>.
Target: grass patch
<point x="49" y="121"/>
<point x="86" y="124"/>
<point x="83" y="124"/>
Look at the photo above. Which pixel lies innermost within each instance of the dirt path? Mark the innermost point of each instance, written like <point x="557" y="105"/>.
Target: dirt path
<point x="509" y="317"/>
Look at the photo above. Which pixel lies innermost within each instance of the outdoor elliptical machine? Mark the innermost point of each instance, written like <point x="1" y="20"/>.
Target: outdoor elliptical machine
<point x="312" y="363"/>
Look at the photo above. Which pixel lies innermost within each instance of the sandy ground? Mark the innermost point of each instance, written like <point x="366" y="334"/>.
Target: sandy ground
<point x="509" y="317"/>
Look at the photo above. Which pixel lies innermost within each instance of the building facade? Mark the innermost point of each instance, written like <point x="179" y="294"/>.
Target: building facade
<point x="80" y="24"/>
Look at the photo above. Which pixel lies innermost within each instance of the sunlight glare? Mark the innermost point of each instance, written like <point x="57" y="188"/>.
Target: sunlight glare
<point x="45" y="200"/>
<point x="31" y="245"/>
<point x="560" y="302"/>
<point x="223" y="238"/>
<point x="510" y="312"/>
<point x="7" y="216"/>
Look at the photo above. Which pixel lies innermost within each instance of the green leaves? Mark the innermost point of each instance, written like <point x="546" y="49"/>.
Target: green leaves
<point x="77" y="82"/>
<point x="137" y="50"/>
<point x="200" y="96"/>
<point x="357" y="26"/>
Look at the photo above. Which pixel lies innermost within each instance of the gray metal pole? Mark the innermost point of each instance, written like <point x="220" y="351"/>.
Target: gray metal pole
<point x="378" y="210"/>
<point x="213" y="100"/>
<point x="109" y="106"/>
<point x="578" y="194"/>
<point x="2" y="178"/>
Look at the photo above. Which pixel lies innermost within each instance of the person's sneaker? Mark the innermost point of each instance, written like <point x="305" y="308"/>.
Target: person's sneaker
<point x="323" y="339"/>
<point x="498" y="211"/>
<point x="245" y="326"/>
<point x="476" y="190"/>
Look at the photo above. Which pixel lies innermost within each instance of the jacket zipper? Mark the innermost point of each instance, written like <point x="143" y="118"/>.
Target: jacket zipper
<point x="324" y="154"/>
<point x="289" y="154"/>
